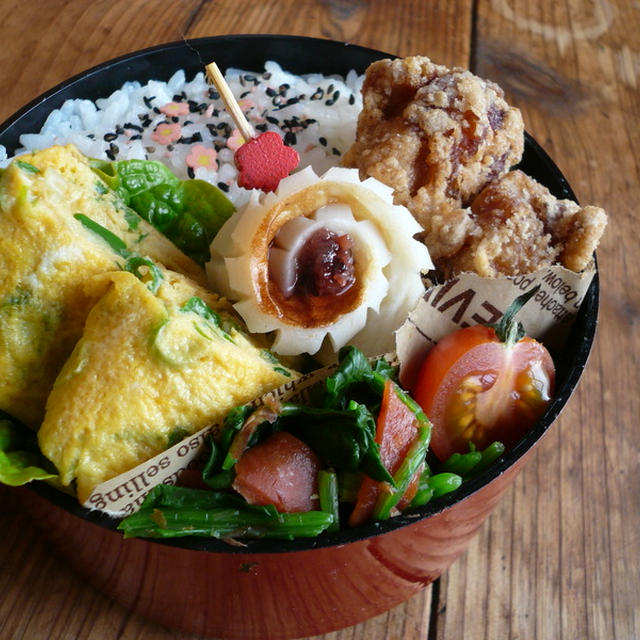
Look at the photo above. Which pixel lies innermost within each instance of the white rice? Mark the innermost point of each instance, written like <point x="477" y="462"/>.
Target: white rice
<point x="315" y="114"/>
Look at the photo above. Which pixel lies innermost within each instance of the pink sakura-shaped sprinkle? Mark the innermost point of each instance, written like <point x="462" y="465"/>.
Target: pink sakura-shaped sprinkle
<point x="245" y="104"/>
<point x="166" y="133"/>
<point x="235" y="140"/>
<point x="175" y="109"/>
<point x="201" y="156"/>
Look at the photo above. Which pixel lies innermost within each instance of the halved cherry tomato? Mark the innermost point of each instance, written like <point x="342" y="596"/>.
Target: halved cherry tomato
<point x="474" y="387"/>
<point x="396" y="430"/>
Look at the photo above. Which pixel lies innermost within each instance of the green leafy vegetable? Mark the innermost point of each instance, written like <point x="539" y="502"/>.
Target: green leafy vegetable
<point x="462" y="463"/>
<point x="190" y="212"/>
<point x="473" y="462"/>
<point x="328" y="493"/>
<point x="454" y="471"/>
<point x="169" y="512"/>
<point x="355" y="370"/>
<point x="341" y="438"/>
<point x="20" y="458"/>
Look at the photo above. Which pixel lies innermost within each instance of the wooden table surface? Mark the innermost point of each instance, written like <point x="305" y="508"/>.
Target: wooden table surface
<point x="558" y="558"/>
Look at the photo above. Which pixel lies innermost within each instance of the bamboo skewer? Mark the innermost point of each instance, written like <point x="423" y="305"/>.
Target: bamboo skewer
<point x="215" y="76"/>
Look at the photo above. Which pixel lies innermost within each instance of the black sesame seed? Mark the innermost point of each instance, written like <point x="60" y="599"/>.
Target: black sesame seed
<point x="112" y="151"/>
<point x="119" y="130"/>
<point x="223" y="187"/>
<point x="175" y="119"/>
<point x="335" y="152"/>
<point x="330" y="88"/>
<point x="137" y="136"/>
<point x="318" y="94"/>
<point x="196" y="137"/>
<point x="244" y="94"/>
<point x="352" y="99"/>
<point x="156" y="110"/>
<point x="191" y="173"/>
<point x="109" y="137"/>
<point x="283" y="88"/>
<point x="213" y="94"/>
<point x="135" y="127"/>
<point x="266" y="75"/>
<point x="323" y="141"/>
<point x="249" y="78"/>
<point x="271" y="92"/>
<point x="261" y="127"/>
<point x="290" y="138"/>
<point x="147" y="100"/>
<point x="293" y="100"/>
<point x="179" y="97"/>
<point x="272" y="120"/>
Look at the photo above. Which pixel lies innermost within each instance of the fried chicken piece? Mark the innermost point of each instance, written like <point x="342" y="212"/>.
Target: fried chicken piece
<point x="519" y="227"/>
<point x="435" y="135"/>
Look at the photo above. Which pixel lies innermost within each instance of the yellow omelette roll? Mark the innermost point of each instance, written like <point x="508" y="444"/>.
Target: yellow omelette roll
<point x="149" y="369"/>
<point x="46" y="255"/>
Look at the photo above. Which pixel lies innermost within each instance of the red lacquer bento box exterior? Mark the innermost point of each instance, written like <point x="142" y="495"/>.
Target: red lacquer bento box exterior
<point x="275" y="595"/>
<point x="279" y="589"/>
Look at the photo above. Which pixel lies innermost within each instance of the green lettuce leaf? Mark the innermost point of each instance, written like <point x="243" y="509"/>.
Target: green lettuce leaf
<point x="20" y="459"/>
<point x="189" y="212"/>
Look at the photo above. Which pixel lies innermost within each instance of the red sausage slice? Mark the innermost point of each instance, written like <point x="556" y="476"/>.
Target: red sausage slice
<point x="396" y="429"/>
<point x="283" y="471"/>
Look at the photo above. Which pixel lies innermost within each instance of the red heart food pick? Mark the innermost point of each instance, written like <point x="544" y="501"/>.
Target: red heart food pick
<point x="264" y="161"/>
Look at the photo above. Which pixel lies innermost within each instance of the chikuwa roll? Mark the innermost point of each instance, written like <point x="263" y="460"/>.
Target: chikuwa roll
<point x="324" y="261"/>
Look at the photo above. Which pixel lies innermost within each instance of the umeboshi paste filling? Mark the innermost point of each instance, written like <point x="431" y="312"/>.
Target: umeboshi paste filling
<point x="325" y="264"/>
<point x="323" y="283"/>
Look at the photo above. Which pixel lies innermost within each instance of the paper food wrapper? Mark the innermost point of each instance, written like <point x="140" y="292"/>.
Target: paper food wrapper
<point x="460" y="302"/>
<point x="471" y="299"/>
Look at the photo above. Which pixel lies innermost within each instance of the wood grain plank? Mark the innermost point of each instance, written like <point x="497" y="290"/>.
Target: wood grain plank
<point x="47" y="44"/>
<point x="438" y="29"/>
<point x="569" y="526"/>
